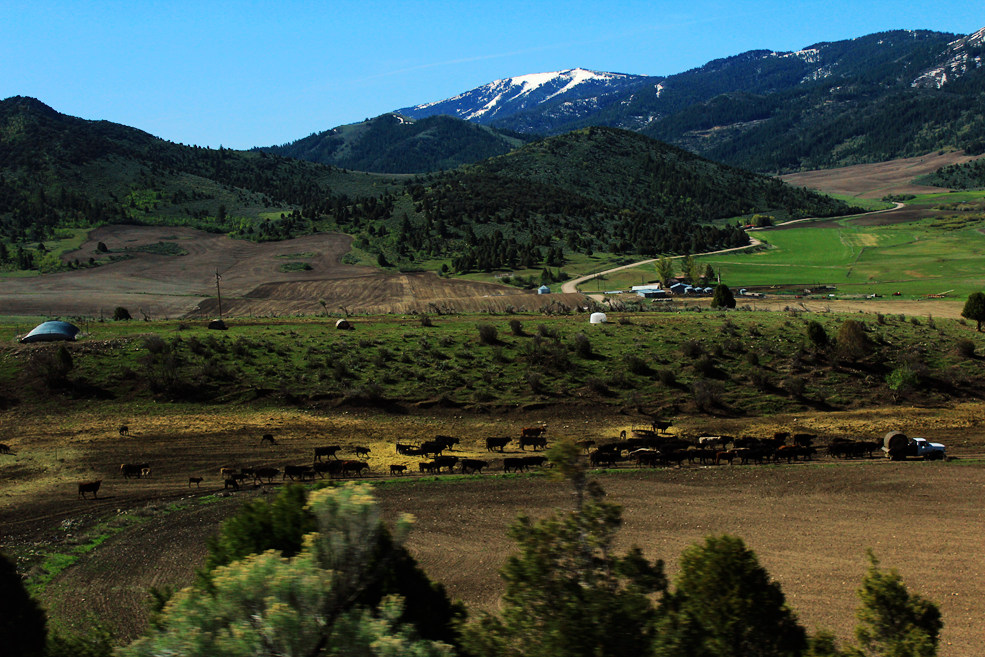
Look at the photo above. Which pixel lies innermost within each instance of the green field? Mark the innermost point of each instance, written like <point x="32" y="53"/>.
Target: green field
<point x="917" y="258"/>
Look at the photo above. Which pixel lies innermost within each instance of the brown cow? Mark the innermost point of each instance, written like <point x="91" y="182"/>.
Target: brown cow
<point x="89" y="487"/>
<point x="532" y="432"/>
<point x="356" y="467"/>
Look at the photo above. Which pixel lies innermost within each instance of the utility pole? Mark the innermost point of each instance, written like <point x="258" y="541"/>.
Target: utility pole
<point x="218" y="294"/>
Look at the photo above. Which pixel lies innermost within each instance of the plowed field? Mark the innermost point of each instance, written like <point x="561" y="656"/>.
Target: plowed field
<point x="163" y="286"/>
<point x="809" y="523"/>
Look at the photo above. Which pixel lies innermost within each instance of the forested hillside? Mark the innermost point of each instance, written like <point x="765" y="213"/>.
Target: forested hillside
<point x="598" y="189"/>
<point x="394" y="144"/>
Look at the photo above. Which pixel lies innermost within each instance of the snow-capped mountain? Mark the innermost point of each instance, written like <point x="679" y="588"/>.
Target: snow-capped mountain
<point x="575" y="91"/>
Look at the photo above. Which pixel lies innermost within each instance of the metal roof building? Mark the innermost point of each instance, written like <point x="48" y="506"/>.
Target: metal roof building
<point x="51" y="332"/>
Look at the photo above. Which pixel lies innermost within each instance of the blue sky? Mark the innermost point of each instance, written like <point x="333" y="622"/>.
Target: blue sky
<point x="243" y="74"/>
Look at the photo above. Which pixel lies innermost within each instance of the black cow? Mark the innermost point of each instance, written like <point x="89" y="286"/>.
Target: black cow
<point x="328" y="450"/>
<point x="361" y="451"/>
<point x="514" y="464"/>
<point x="133" y="469"/>
<point x="533" y="461"/>
<point x="448" y="441"/>
<point x="473" y="465"/>
<point x="445" y="462"/>
<point x="299" y="471"/>
<point x="259" y="474"/>
<point x="533" y="441"/>
<point x="434" y="447"/>
<point x="497" y="443"/>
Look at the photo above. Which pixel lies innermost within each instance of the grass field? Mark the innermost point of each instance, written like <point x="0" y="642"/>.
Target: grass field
<point x="927" y="248"/>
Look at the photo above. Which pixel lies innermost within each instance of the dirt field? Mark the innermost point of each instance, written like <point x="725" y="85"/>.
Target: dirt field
<point x="877" y="180"/>
<point x="809" y="523"/>
<point x="165" y="286"/>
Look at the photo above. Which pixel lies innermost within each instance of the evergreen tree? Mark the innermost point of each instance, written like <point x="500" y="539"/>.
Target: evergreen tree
<point x="23" y="625"/>
<point x="567" y="593"/>
<point x="723" y="297"/>
<point x="892" y="621"/>
<point x="725" y="605"/>
<point x="974" y="308"/>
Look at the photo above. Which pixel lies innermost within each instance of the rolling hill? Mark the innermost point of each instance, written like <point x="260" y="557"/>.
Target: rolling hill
<point x="393" y="144"/>
<point x="597" y="189"/>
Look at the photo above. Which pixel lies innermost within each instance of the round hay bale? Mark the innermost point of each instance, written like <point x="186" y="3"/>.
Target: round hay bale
<point x="217" y="325"/>
<point x="343" y="325"/>
<point x="597" y="318"/>
<point x="894" y="440"/>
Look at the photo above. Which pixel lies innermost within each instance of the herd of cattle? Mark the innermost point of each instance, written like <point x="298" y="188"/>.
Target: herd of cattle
<point x="650" y="447"/>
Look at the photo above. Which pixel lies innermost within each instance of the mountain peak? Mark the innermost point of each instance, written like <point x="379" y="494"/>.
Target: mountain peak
<point x="510" y="96"/>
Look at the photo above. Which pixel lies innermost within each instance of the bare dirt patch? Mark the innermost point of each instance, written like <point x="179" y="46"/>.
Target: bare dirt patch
<point x="880" y="179"/>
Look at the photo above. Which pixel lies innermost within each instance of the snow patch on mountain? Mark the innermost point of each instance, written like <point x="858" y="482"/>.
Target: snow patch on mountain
<point x="960" y="57"/>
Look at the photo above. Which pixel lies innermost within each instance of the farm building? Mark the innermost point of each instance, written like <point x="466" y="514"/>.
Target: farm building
<point x="681" y="288"/>
<point x="652" y="294"/>
<point x="543" y="289"/>
<point x="51" y="331"/>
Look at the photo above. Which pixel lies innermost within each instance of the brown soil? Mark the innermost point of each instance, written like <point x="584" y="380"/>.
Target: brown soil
<point x="162" y="286"/>
<point x="880" y="179"/>
<point x="809" y="524"/>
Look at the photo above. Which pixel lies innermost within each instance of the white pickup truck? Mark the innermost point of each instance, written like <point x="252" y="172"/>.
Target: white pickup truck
<point x="898" y="447"/>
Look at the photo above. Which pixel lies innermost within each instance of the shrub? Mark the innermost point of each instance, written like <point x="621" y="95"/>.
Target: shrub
<point x="760" y="380"/>
<point x="667" y="377"/>
<point x="426" y="321"/>
<point x="692" y="349"/>
<point x="706" y="366"/>
<point x="597" y="385"/>
<point x="752" y="358"/>
<point x="817" y="335"/>
<point x="488" y="334"/>
<point x="536" y="382"/>
<point x="155" y="344"/>
<point x="853" y="343"/>
<point x="795" y="386"/>
<point x="964" y="348"/>
<point x="636" y="365"/>
<point x="516" y="327"/>
<point x="545" y="331"/>
<point x="902" y="380"/>
<point x="582" y="345"/>
<point x="121" y="314"/>
<point x="707" y="395"/>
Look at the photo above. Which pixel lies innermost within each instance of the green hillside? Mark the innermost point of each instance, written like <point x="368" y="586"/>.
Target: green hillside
<point x="594" y="190"/>
<point x="394" y="144"/>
